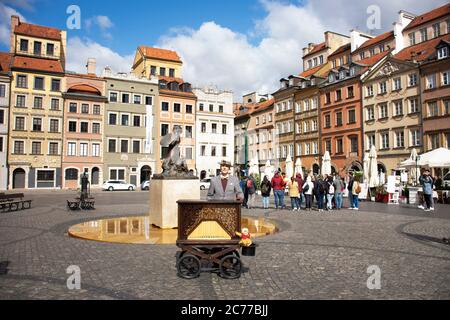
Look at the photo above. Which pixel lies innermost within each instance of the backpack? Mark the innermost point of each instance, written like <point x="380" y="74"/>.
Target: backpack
<point x="331" y="189"/>
<point x="306" y="188"/>
<point x="265" y="188"/>
<point x="249" y="183"/>
<point x="358" y="189"/>
<point x="321" y="188"/>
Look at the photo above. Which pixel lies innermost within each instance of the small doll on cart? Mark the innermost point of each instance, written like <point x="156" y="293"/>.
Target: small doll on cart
<point x="245" y="238"/>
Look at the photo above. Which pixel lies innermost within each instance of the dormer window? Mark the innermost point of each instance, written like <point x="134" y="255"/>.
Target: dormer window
<point x="24" y="45"/>
<point x="337" y="77"/>
<point x="342" y="74"/>
<point x="291" y="82"/>
<point x="283" y="84"/>
<point x="352" y="71"/>
<point x="331" y="77"/>
<point x="321" y="60"/>
<point x="362" y="55"/>
<point x="442" y="53"/>
<point x="162" y="84"/>
<point x="37" y="49"/>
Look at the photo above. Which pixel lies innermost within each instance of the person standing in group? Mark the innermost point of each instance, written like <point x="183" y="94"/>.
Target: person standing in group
<point x="298" y="178"/>
<point x="278" y="186"/>
<point x="339" y="186"/>
<point x="356" y="190"/>
<point x="266" y="187"/>
<point x="308" y="191"/>
<point x="330" y="192"/>
<point x="251" y="187"/>
<point x="319" y="189"/>
<point x="350" y="190"/>
<point x="427" y="184"/>
<point x="294" y="192"/>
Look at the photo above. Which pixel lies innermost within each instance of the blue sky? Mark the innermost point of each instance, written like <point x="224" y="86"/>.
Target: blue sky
<point x="238" y="45"/>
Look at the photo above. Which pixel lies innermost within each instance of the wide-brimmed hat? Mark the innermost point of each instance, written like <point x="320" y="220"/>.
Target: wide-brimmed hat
<point x="225" y="164"/>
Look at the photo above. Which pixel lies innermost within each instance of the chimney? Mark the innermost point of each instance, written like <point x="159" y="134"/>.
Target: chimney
<point x="15" y="21"/>
<point x="91" y="66"/>
<point x="310" y="46"/>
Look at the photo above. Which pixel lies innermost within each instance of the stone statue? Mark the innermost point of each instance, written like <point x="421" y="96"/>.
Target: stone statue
<point x="173" y="165"/>
<point x="84" y="186"/>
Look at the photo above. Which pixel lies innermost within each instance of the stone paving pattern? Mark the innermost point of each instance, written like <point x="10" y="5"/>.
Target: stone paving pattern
<point x="314" y="256"/>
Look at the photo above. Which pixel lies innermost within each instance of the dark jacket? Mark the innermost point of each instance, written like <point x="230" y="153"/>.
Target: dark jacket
<point x="268" y="186"/>
<point x="252" y="189"/>
<point x="350" y="184"/>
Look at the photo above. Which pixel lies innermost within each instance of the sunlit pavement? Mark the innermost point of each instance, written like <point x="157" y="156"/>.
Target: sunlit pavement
<point x="314" y="256"/>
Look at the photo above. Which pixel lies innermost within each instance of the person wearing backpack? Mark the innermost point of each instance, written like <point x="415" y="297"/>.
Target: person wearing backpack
<point x="339" y="188"/>
<point x="266" y="187"/>
<point x="251" y="186"/>
<point x="308" y="191"/>
<point x="319" y="188"/>
<point x="356" y="190"/>
<point x="330" y="193"/>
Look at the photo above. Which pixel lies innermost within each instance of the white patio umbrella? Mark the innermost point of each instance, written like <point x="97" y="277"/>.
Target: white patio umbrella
<point x="298" y="167"/>
<point x="366" y="167"/>
<point x="289" y="167"/>
<point x="269" y="170"/>
<point x="373" y="168"/>
<point x="254" y="166"/>
<point x="415" y="172"/>
<point x="326" y="163"/>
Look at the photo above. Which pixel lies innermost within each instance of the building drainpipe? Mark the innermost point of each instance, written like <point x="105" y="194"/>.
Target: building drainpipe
<point x="361" y="116"/>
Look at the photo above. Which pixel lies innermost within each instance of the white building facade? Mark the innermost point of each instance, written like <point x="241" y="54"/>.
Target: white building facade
<point x="214" y="130"/>
<point x="4" y="115"/>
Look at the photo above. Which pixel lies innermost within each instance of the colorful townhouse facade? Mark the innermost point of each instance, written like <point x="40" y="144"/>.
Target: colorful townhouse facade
<point x="5" y="83"/>
<point x="36" y="110"/>
<point x="83" y="145"/>
<point x="129" y="129"/>
<point x="214" y="119"/>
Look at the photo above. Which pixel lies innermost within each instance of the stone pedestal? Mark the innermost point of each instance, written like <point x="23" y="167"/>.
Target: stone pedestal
<point x="164" y="195"/>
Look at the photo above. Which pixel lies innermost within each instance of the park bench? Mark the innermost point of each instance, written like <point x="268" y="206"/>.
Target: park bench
<point x="14" y="202"/>
<point x="87" y="204"/>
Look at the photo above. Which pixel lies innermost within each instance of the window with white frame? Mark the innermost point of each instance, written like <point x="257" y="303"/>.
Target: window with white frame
<point x="53" y="148"/>
<point x="307" y="149"/>
<point x="383" y="111"/>
<point x="399" y="139"/>
<point x="412" y="38"/>
<point x="413" y="105"/>
<point x="383" y="87"/>
<point x="397" y="84"/>
<point x="291" y="150"/>
<point x="384" y="138"/>
<point x="299" y="149"/>
<point x="431" y="81"/>
<point x="306" y="104"/>
<point x="445" y="78"/>
<point x="297" y="107"/>
<point x="442" y="53"/>
<point x="415" y="137"/>
<point x="423" y="35"/>
<point x="433" y="110"/>
<point x="315" y="103"/>
<point x="96" y="150"/>
<point x="137" y="99"/>
<point x="398" y="108"/>
<point x="83" y="149"/>
<point x="285" y="149"/>
<point x="369" y="91"/>
<point x="436" y="30"/>
<point x="370" y="141"/>
<point x="314" y="125"/>
<point x="412" y="79"/>
<point x="370" y="113"/>
<point x="446" y="107"/>
<point x="315" y="149"/>
<point x="71" y="149"/>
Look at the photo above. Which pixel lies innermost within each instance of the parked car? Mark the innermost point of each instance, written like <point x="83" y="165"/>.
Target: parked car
<point x="205" y="183"/>
<point x="114" y="185"/>
<point x="446" y="180"/>
<point x="145" y="185"/>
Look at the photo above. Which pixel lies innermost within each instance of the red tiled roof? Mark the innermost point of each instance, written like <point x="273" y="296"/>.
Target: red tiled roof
<point x="37" y="64"/>
<point x="376" y="40"/>
<point x="160" y="54"/>
<point x="340" y="50"/>
<point x="263" y="105"/>
<point x="373" y="59"/>
<point x="421" y="51"/>
<point x="310" y="72"/>
<point x="5" y="61"/>
<point x="84" y="88"/>
<point x="181" y="93"/>
<point x="317" y="48"/>
<point x="171" y="79"/>
<point x="38" y="31"/>
<point x="429" y="16"/>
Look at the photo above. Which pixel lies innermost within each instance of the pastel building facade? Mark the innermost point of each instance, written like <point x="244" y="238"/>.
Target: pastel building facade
<point x="5" y="83"/>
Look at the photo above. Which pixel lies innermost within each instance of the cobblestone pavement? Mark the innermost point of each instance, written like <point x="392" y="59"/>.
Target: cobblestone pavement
<point x="314" y="256"/>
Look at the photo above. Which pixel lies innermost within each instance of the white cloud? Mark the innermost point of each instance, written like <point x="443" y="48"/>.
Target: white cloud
<point x="23" y="4"/>
<point x="5" y="22"/>
<point x="103" y="22"/>
<point x="79" y="50"/>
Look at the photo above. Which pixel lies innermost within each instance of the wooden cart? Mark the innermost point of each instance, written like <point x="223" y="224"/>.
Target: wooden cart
<point x="207" y="239"/>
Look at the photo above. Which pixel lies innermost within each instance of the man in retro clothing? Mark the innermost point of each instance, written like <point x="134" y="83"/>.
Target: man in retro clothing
<point x="225" y="186"/>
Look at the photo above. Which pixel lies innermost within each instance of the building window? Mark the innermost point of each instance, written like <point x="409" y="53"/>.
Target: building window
<point x="20" y="124"/>
<point x="354" y="144"/>
<point x="125" y="120"/>
<point x="384" y="137"/>
<point x="38" y="83"/>
<point x="339" y="146"/>
<point x="327" y="98"/>
<point x="84" y="127"/>
<point x="201" y="107"/>
<point x="211" y="108"/>
<point x="2" y="117"/>
<point x="203" y="151"/>
<point x="214" y="127"/>
<point x="412" y="79"/>
<point x="399" y="139"/>
<point x="72" y="126"/>
<point x="398" y="108"/>
<point x="383" y="88"/>
<point x="350" y="92"/>
<point x="413" y="105"/>
<point x="111" y="145"/>
<point x="415" y="138"/>
<point x="369" y="91"/>
<point x="148" y="100"/>
<point x="54" y="105"/>
<point x="352" y="116"/>
<point x="54" y="125"/>
<point x="442" y="53"/>
<point x="71" y="174"/>
<point x="50" y="49"/>
<point x="383" y="111"/>
<point x="19" y="147"/>
<point x="433" y="110"/>
<point x="96" y="128"/>
<point x="36" y="148"/>
<point x="370" y="141"/>
<point x="446" y="107"/>
<point x="362" y="55"/>
<point x="2" y="90"/>
<point x="203" y="127"/>
<point x="113" y="97"/>
<point x="436" y="30"/>
<point x="125" y="98"/>
<point x="164" y="129"/>
<point x="56" y="85"/>
<point x="171" y="72"/>
<point x="137" y="99"/>
<point x="176" y="107"/>
<point x="73" y="107"/>
<point x="37" y="124"/>
<point x="338" y="119"/>
<point x="38" y="101"/>
<point x="21" y="81"/>
<point x="84" y="108"/>
<point x="162" y="71"/>
<point x="189" y="108"/>
<point x="327" y="121"/>
<point x="136" y="121"/>
<point x="213" y="151"/>
<point x="164" y="106"/>
<point x="370" y="113"/>
<point x="188" y="153"/>
<point x="117" y="174"/>
<point x="96" y="109"/>
<point x="23" y="45"/>
<point x="71" y="149"/>
<point x="96" y="150"/>
<point x="37" y="48"/>
<point x="188" y="132"/>
<point x="445" y="78"/>
<point x="397" y="84"/>
<point x="338" y="95"/>
<point x="434" y="141"/>
<point x="412" y="38"/>
<point x="45" y="176"/>
<point x="224" y="129"/>
<point x="423" y="35"/>
<point x="83" y="149"/>
<point x="328" y="145"/>
<point x="136" y="147"/>
<point x="431" y="81"/>
<point x="153" y="70"/>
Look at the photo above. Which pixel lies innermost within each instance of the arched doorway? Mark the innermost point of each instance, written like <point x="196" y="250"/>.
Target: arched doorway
<point x="333" y="170"/>
<point x="95" y="176"/>
<point x="146" y="173"/>
<point x="19" y="179"/>
<point x="316" y="168"/>
<point x="202" y="175"/>
<point x="356" y="166"/>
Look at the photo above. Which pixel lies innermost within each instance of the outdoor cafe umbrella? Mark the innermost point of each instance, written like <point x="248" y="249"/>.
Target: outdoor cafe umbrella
<point x="326" y="163"/>
<point x="366" y="167"/>
<point x="373" y="168"/>
<point x="269" y="170"/>
<point x="415" y="172"/>
<point x="298" y="167"/>
<point x="289" y="167"/>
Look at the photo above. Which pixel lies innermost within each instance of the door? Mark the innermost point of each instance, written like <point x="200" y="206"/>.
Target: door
<point x="19" y="179"/>
<point x="133" y="179"/>
<point x="95" y="176"/>
<point x="146" y="173"/>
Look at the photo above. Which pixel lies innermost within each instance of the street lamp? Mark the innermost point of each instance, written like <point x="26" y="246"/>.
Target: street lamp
<point x="245" y="150"/>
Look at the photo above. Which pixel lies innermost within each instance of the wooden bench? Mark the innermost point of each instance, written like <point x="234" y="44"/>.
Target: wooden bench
<point x="14" y="202"/>
<point x="88" y="204"/>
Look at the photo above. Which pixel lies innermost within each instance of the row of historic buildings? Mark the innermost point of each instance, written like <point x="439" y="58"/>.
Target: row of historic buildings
<point x="56" y="124"/>
<point x="391" y="91"/>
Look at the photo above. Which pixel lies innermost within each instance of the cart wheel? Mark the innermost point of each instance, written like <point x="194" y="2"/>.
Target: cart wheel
<point x="189" y="266"/>
<point x="231" y="267"/>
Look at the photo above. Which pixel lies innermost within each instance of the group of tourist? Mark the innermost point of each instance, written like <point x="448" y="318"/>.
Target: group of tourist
<point x="327" y="191"/>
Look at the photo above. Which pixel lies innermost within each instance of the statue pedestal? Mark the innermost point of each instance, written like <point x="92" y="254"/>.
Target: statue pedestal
<point x="164" y="195"/>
